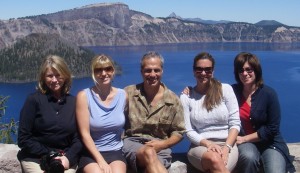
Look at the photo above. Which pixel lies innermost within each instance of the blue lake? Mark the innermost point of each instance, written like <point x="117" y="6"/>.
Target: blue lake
<point x="280" y="63"/>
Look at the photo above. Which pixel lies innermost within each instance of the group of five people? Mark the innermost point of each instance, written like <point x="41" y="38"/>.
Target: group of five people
<point x="231" y="128"/>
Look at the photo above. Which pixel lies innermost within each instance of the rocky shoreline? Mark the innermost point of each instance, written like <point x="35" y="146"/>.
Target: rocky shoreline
<point x="10" y="163"/>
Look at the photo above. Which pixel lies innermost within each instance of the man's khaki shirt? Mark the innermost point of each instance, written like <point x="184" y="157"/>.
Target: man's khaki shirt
<point x="160" y="121"/>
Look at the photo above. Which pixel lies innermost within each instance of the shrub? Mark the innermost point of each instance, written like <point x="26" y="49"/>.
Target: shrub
<point x="7" y="130"/>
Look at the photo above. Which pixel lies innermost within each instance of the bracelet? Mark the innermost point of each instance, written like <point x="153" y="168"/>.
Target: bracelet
<point x="229" y="147"/>
<point x="209" y="143"/>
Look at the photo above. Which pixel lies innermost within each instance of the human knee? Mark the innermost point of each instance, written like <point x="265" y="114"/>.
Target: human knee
<point x="273" y="161"/>
<point x="150" y="152"/>
<point x="248" y="156"/>
<point x="91" y="168"/>
<point x="214" y="159"/>
<point x="147" y="154"/>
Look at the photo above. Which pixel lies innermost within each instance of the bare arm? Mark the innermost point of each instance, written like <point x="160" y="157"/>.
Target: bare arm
<point x="232" y="135"/>
<point x="82" y="115"/>
<point x="253" y="137"/>
<point x="163" y="144"/>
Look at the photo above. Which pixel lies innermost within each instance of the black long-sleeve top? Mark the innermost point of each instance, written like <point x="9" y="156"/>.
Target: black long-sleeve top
<point x="47" y="124"/>
<point x="265" y="117"/>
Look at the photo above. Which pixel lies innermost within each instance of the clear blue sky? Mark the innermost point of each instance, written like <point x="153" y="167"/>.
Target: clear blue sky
<point x="252" y="11"/>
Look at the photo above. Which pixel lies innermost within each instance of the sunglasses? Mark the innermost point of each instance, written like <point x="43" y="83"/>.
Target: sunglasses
<point x="207" y="70"/>
<point x="248" y="70"/>
<point x="106" y="69"/>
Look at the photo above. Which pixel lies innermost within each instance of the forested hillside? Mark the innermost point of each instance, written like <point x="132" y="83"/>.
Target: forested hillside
<point x="21" y="61"/>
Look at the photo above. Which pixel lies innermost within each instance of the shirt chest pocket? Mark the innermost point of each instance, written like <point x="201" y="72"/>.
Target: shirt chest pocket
<point x="164" y="125"/>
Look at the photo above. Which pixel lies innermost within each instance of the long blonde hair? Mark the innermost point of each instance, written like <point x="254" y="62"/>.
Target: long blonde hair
<point x="213" y="96"/>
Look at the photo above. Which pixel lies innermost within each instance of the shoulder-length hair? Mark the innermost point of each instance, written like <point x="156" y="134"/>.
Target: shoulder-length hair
<point x="59" y="64"/>
<point x="253" y="61"/>
<point x="101" y="61"/>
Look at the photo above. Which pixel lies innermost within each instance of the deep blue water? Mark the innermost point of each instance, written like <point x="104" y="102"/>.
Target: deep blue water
<point x="280" y="63"/>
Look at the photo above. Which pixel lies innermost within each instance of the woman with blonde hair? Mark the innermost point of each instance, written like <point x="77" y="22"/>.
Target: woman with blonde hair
<point x="100" y="118"/>
<point x="47" y="127"/>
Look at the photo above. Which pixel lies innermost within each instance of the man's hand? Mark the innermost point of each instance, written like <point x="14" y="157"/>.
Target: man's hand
<point x="158" y="145"/>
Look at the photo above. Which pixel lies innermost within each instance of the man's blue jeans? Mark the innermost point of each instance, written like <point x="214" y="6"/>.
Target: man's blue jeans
<point x="250" y="160"/>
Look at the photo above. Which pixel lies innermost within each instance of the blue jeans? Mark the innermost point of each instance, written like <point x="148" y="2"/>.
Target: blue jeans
<point x="250" y="160"/>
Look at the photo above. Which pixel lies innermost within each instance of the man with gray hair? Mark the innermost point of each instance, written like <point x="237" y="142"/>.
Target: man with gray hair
<point x="154" y="119"/>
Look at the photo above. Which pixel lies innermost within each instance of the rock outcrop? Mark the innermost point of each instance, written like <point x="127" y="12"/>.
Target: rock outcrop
<point x="8" y="159"/>
<point x="115" y="24"/>
<point x="9" y="162"/>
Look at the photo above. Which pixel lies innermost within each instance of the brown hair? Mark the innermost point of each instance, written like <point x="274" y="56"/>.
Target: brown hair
<point x="253" y="61"/>
<point x="214" y="93"/>
<point x="59" y="64"/>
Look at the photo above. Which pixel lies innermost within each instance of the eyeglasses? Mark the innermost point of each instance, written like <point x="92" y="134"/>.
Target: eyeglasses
<point x="106" y="69"/>
<point x="248" y="70"/>
<point x="207" y="70"/>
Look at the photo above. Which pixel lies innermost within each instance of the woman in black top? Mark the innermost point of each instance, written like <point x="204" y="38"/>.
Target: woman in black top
<point x="260" y="143"/>
<point x="47" y="121"/>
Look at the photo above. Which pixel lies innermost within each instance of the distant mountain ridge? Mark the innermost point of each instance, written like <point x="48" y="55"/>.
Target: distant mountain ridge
<point x="268" y="23"/>
<point x="114" y="24"/>
<point x="199" y="19"/>
<point x="260" y="23"/>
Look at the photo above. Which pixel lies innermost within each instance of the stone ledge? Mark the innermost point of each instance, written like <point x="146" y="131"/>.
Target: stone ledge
<point x="10" y="163"/>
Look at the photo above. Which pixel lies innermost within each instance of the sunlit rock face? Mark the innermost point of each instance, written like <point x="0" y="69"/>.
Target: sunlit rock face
<point x="10" y="163"/>
<point x="110" y="24"/>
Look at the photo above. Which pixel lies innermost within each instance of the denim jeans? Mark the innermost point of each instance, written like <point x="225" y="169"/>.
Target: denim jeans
<point x="250" y="160"/>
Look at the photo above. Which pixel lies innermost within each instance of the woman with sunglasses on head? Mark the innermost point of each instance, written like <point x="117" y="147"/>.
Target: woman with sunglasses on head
<point x="260" y="141"/>
<point x="211" y="119"/>
<point x="100" y="118"/>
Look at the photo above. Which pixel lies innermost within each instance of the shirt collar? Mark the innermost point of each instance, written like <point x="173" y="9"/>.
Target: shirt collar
<point x="140" y="92"/>
<point x="51" y="98"/>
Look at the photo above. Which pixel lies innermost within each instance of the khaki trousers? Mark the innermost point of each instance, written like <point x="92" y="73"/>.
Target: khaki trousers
<point x="30" y="165"/>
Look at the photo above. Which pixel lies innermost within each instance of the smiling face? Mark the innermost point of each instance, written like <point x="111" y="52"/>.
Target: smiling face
<point x="54" y="81"/>
<point x="152" y="71"/>
<point x="104" y="74"/>
<point x="247" y="69"/>
<point x="247" y="75"/>
<point x="203" y="71"/>
<point x="103" y="69"/>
